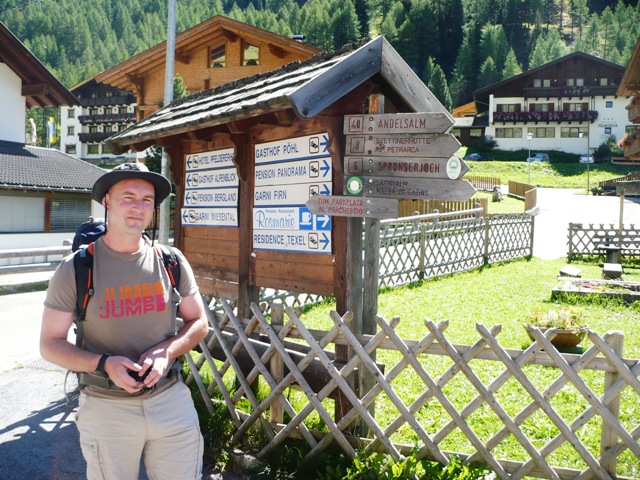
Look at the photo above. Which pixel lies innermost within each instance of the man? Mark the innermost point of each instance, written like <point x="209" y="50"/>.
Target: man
<point x="145" y="412"/>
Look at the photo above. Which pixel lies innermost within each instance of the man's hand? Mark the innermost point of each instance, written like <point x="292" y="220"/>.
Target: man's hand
<point x="154" y="364"/>
<point x="119" y="371"/>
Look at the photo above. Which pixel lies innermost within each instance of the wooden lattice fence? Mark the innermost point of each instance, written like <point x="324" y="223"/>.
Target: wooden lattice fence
<point x="483" y="393"/>
<point x="588" y="239"/>
<point x="431" y="245"/>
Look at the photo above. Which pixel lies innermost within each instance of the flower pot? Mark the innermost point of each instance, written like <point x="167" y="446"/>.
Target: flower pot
<point x="564" y="338"/>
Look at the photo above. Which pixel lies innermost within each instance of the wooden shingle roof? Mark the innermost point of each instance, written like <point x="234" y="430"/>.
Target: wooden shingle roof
<point x="306" y="87"/>
<point x="45" y="169"/>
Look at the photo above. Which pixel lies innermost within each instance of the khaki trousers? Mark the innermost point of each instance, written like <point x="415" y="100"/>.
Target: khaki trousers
<point x="163" y="430"/>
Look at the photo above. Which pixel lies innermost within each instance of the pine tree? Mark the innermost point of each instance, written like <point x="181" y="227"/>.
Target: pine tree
<point x="489" y="74"/>
<point x="511" y="66"/>
<point x="439" y="87"/>
<point x="345" y="25"/>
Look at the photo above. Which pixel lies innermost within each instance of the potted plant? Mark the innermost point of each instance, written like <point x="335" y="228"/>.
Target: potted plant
<point x="570" y="323"/>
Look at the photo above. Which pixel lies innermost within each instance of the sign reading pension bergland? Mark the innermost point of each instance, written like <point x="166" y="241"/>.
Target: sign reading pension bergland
<point x="287" y="173"/>
<point x="210" y="189"/>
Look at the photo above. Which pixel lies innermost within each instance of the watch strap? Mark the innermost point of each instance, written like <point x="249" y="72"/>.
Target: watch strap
<point x="101" y="363"/>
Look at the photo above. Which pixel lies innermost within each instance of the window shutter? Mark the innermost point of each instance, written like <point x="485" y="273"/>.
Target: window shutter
<point x="21" y="212"/>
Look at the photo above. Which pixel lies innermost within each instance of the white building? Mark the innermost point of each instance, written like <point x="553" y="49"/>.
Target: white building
<point x="44" y="194"/>
<point x="568" y="105"/>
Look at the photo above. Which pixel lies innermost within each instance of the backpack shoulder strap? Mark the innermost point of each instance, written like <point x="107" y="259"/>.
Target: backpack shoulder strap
<point x="83" y="266"/>
<point x="171" y="263"/>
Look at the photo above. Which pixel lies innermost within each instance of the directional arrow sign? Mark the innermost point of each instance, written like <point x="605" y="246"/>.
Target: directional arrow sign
<point x="209" y="217"/>
<point x="398" y="123"/>
<point x="418" y="188"/>
<point x="451" y="168"/>
<point x="208" y="160"/>
<point x="299" y="171"/>
<point x="412" y="145"/>
<point x="343" y="206"/>
<point x="211" y="197"/>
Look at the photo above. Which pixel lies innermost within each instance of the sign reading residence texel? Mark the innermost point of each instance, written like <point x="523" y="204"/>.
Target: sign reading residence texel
<point x="404" y="156"/>
<point x="287" y="173"/>
<point x="210" y="189"/>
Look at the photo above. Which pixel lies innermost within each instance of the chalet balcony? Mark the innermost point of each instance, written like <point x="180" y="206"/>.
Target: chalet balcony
<point x="633" y="110"/>
<point x="108" y="101"/>
<point x="570" y="92"/>
<point x="536" y="117"/>
<point x="107" y="118"/>
<point x="94" y="137"/>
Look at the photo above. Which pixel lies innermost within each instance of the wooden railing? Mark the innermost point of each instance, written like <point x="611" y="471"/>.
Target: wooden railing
<point x="408" y="208"/>
<point x="483" y="183"/>
<point x="485" y="394"/>
<point x="633" y="111"/>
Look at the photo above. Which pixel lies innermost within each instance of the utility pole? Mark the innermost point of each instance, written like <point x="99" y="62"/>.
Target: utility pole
<point x="163" y="234"/>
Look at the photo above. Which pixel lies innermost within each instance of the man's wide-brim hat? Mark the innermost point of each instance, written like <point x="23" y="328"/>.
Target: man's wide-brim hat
<point x="128" y="171"/>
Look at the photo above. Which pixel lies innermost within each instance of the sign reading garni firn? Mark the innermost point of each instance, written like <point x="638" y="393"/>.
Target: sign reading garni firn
<point x="404" y="156"/>
<point x="210" y="190"/>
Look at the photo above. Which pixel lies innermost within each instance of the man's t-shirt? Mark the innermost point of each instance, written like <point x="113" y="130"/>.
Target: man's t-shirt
<point x="130" y="310"/>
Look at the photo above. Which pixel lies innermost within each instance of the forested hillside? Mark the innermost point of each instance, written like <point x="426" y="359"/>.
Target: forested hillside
<point x="456" y="46"/>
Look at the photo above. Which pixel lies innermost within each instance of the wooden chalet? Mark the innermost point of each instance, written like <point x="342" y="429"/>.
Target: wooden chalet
<point x="210" y="54"/>
<point x="630" y="87"/>
<point x="301" y="105"/>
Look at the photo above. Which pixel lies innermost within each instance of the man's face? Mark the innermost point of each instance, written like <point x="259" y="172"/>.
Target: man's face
<point x="130" y="204"/>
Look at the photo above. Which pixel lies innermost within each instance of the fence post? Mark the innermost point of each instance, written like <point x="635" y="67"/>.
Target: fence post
<point x="276" y="364"/>
<point x="570" y="239"/>
<point x="422" y="241"/>
<point x="485" y="249"/>
<point x="533" y="223"/>
<point x="616" y="341"/>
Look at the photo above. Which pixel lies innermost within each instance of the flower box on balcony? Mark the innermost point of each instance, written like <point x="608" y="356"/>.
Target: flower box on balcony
<point x="632" y="149"/>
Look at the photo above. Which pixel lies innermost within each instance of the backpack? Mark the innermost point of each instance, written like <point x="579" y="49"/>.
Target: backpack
<point x="87" y="233"/>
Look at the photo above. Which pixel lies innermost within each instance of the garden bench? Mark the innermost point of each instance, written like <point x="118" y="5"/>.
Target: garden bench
<point x="614" y="245"/>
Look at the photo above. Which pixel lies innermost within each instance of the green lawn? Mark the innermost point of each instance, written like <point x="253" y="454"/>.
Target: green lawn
<point x="512" y="166"/>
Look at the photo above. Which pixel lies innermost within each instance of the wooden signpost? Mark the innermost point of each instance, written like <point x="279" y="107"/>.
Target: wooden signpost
<point x="403" y="145"/>
<point x="450" y="168"/>
<point x="348" y="206"/>
<point x="432" y="122"/>
<point x="418" y="188"/>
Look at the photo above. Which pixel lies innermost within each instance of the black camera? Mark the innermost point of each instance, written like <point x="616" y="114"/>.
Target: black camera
<point x="136" y="375"/>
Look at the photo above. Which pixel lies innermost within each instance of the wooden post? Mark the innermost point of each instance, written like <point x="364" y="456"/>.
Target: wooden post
<point x="533" y="223"/>
<point x="276" y="364"/>
<point x="620" y="226"/>
<point x="570" y="253"/>
<point x="609" y="438"/>
<point x="366" y="381"/>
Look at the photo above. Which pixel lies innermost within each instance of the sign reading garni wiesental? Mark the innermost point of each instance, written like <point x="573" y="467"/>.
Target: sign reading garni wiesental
<point x="425" y="122"/>
<point x="406" y="145"/>
<point x="348" y="206"/>
<point x="451" y="168"/>
<point x="418" y="188"/>
<point x="209" y="217"/>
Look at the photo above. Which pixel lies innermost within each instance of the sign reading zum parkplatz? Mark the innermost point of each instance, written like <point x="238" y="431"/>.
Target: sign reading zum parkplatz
<point x="409" y="145"/>
<point x="208" y="160"/>
<point x="451" y="168"/>
<point x="347" y="206"/>
<point x="424" y="122"/>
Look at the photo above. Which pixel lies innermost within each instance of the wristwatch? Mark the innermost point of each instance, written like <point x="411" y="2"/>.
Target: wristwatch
<point x="100" y="368"/>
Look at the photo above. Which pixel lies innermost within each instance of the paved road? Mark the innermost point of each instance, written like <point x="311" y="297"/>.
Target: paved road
<point x="38" y="439"/>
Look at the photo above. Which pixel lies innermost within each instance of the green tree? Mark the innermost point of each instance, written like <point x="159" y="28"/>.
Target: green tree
<point x="489" y="73"/>
<point x="511" y="66"/>
<point x="418" y="35"/>
<point x="345" y="25"/>
<point x="439" y="87"/>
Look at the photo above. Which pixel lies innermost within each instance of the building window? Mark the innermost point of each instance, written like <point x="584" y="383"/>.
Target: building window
<point x="542" y="132"/>
<point x="573" y="132"/>
<point x="70" y="148"/>
<point x="543" y="107"/>
<point x="107" y="128"/>
<point x="218" y="57"/>
<point x="508" y="107"/>
<point x="609" y="104"/>
<point x="106" y="149"/>
<point x="475" y="132"/>
<point x="22" y="212"/>
<point x="93" y="129"/>
<point x="604" y="82"/>
<point x="68" y="211"/>
<point x="508" y="132"/>
<point x="570" y="82"/>
<point x="71" y="130"/>
<point x="93" y="149"/>
<point x="250" y="54"/>
<point x="71" y="113"/>
<point x="122" y="110"/>
<point x="93" y="111"/>
<point x="607" y="130"/>
<point x="546" y="83"/>
<point x="579" y="82"/>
